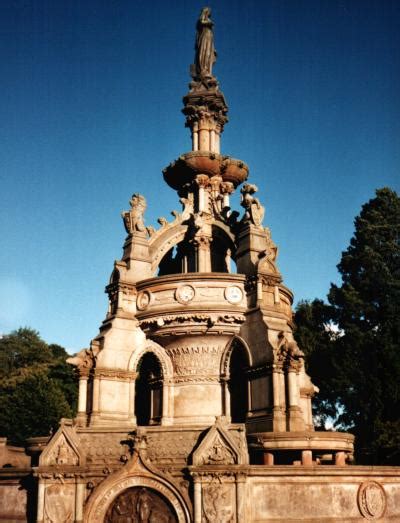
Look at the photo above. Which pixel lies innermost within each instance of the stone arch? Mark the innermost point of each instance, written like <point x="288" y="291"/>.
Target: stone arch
<point x="157" y="350"/>
<point x="235" y="362"/>
<point x="226" y="356"/>
<point x="164" y="242"/>
<point x="152" y="347"/>
<point x="226" y="230"/>
<point x="223" y="247"/>
<point x="109" y="490"/>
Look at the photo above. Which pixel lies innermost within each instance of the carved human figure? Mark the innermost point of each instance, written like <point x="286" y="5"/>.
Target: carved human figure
<point x="121" y="511"/>
<point x="254" y="211"/>
<point x="133" y="219"/>
<point x="205" y="50"/>
<point x="143" y="506"/>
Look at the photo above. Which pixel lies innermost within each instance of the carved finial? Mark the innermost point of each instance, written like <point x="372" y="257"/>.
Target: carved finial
<point x="133" y="219"/>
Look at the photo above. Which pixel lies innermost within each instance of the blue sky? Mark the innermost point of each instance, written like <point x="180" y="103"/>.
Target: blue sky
<point x="90" y="113"/>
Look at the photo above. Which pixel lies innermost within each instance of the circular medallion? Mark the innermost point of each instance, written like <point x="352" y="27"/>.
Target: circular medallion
<point x="143" y="300"/>
<point x="233" y="294"/>
<point x="371" y="500"/>
<point x="185" y="294"/>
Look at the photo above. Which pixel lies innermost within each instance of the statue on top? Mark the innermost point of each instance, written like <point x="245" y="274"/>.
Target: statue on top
<point x="205" y="51"/>
<point x="133" y="219"/>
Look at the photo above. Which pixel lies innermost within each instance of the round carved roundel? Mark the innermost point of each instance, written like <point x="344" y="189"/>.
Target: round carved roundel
<point x="140" y="505"/>
<point x="185" y="293"/>
<point x="143" y="300"/>
<point x="371" y="500"/>
<point x="233" y="294"/>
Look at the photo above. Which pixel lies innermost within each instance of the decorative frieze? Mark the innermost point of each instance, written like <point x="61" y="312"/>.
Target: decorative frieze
<point x="115" y="374"/>
<point x="195" y="360"/>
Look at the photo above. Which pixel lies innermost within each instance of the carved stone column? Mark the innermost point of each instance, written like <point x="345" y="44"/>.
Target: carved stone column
<point x="96" y="397"/>
<point x="79" y="501"/>
<point x="226" y="400"/>
<point x="202" y="201"/>
<point x="40" y="501"/>
<point x="295" y="419"/>
<point x="166" y="415"/>
<point x="240" y="498"/>
<point x="82" y="398"/>
<point x="203" y="255"/>
<point x="226" y="190"/>
<point x="195" y="136"/>
<point x="278" y="392"/>
<point x="197" y="498"/>
<point x="292" y="387"/>
<point x="132" y="412"/>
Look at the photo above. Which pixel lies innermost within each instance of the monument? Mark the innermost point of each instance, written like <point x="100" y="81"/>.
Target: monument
<point x="194" y="402"/>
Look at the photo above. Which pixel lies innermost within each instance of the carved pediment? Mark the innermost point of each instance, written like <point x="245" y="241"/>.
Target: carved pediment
<point x="220" y="448"/>
<point x="62" y="450"/>
<point x="135" y="481"/>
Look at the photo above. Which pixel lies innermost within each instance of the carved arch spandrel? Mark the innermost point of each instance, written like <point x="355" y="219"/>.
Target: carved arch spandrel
<point x="159" y="352"/>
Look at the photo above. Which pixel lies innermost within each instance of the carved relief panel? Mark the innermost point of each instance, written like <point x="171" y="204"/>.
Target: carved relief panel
<point x="59" y="503"/>
<point x="140" y="505"/>
<point x="218" y="502"/>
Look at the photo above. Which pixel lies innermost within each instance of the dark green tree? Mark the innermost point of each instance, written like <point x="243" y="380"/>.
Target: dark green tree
<point x="37" y="386"/>
<point x="358" y="368"/>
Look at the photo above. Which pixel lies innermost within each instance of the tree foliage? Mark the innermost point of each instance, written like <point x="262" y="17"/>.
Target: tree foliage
<point x="37" y="386"/>
<point x="357" y="366"/>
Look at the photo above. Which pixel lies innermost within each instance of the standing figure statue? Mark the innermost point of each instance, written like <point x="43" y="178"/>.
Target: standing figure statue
<point x="205" y="50"/>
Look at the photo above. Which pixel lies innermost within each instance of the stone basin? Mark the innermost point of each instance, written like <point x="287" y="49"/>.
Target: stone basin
<point x="189" y="165"/>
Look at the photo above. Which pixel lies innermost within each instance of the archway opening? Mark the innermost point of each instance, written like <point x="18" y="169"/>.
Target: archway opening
<point x="141" y="504"/>
<point x="222" y="252"/>
<point x="238" y="383"/>
<point x="148" y="390"/>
